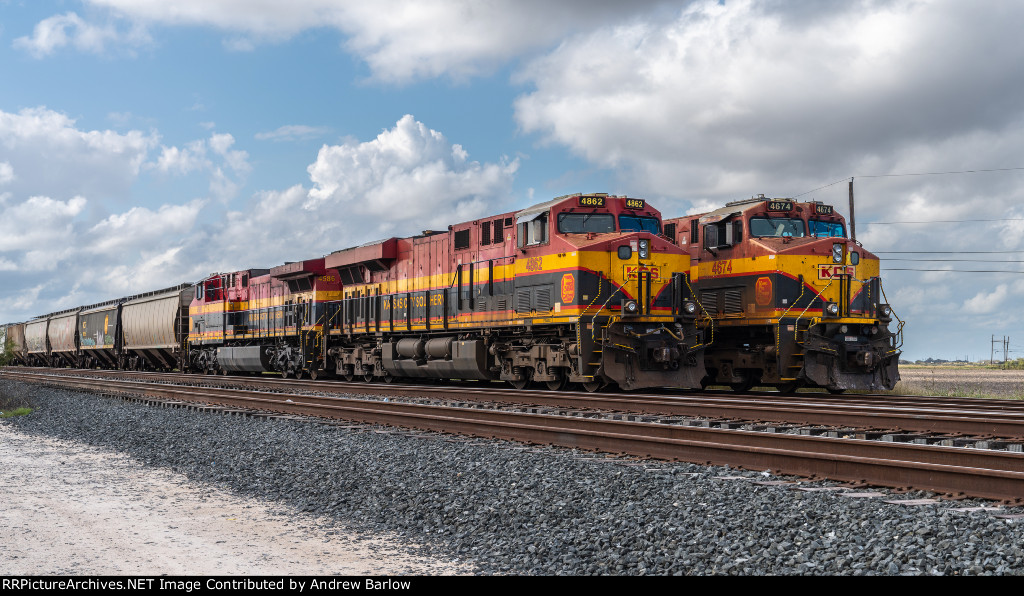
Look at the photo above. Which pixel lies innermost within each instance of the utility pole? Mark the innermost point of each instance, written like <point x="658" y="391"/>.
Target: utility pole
<point x="851" y="221"/>
<point x="1006" y="349"/>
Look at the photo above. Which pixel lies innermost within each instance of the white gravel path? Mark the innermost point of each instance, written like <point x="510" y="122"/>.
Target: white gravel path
<point x="72" y="509"/>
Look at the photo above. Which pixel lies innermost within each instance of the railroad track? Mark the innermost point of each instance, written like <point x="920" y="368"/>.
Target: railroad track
<point x="956" y="471"/>
<point x="929" y="420"/>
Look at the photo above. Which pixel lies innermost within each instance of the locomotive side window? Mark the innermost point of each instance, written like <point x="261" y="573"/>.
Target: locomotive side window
<point x="485" y="233"/>
<point x="826" y="229"/>
<point x="776" y="227"/>
<point x="639" y="223"/>
<point x="532" y="229"/>
<point x="583" y="223"/>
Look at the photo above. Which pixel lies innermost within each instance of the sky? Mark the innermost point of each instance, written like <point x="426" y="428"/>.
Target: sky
<point x="147" y="143"/>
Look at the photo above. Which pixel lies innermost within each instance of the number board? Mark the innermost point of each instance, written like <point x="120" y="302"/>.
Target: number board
<point x="635" y="204"/>
<point x="822" y="209"/>
<point x="780" y="205"/>
<point x="591" y="201"/>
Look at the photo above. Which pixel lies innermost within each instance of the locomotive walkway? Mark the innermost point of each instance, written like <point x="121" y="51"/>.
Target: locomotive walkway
<point x="986" y="473"/>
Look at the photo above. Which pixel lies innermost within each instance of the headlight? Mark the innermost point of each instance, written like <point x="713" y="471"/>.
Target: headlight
<point x="630" y="307"/>
<point x="884" y="310"/>
<point x="854" y="258"/>
<point x="831" y="309"/>
<point x="837" y="253"/>
<point x="843" y="329"/>
<point x="689" y="308"/>
<point x="645" y="249"/>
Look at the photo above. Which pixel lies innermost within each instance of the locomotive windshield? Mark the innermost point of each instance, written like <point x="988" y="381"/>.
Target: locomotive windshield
<point x="776" y="227"/>
<point x="583" y="223"/>
<point x="639" y="223"/>
<point x="826" y="229"/>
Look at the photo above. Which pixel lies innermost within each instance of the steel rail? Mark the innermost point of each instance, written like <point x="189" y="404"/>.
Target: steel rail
<point x="982" y="419"/>
<point x="971" y="472"/>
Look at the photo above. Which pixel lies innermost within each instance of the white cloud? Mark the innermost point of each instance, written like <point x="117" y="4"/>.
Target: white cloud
<point x="409" y="172"/>
<point x="138" y="227"/>
<point x="173" y="160"/>
<point x="987" y="302"/>
<point x="401" y="40"/>
<point x="409" y="178"/>
<point x="53" y="157"/>
<point x="69" y="29"/>
<point x="293" y="132"/>
<point x="195" y="157"/>
<point x="730" y="99"/>
<point x="6" y="172"/>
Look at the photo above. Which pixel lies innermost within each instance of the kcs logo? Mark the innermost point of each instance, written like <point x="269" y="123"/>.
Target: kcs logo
<point x="833" y="271"/>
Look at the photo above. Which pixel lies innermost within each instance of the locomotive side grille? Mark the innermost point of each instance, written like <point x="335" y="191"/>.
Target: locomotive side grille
<point x="709" y="300"/>
<point x="733" y="302"/>
<point x="523" y="301"/>
<point x="544" y="298"/>
<point x="670" y="231"/>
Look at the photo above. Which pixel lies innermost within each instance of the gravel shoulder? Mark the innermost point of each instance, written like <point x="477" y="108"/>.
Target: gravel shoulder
<point x="73" y="509"/>
<point x="108" y="486"/>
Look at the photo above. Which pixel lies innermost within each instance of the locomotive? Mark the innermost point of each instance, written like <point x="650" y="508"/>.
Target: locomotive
<point x="793" y="302"/>
<point x="579" y="289"/>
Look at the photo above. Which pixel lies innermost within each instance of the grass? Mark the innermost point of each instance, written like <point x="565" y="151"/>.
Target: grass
<point x="14" y="405"/>
<point x="15" y="412"/>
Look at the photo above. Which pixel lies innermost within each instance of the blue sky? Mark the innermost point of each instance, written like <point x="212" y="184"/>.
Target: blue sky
<point x="146" y="143"/>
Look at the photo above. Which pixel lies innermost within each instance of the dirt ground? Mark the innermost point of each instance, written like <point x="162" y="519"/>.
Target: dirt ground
<point x="960" y="381"/>
<point x="71" y="509"/>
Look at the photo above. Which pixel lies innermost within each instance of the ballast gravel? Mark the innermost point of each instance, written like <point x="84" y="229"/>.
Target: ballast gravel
<point x="505" y="508"/>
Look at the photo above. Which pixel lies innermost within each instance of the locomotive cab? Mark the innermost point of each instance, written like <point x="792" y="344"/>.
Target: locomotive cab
<point x="612" y="266"/>
<point x="794" y="300"/>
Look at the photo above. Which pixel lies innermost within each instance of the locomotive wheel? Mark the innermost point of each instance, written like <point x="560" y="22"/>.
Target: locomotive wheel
<point x="285" y="373"/>
<point x="742" y="386"/>
<point x="520" y="384"/>
<point x="556" y="385"/>
<point x="389" y="378"/>
<point x="314" y="375"/>
<point x="349" y="377"/>
<point x="592" y="386"/>
<point x="790" y="388"/>
<point x="368" y="377"/>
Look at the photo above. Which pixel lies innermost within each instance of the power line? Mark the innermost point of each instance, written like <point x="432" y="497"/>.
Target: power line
<point x="914" y="174"/>
<point x="955" y="270"/>
<point x="945" y="252"/>
<point x="948" y="260"/>
<point x="934" y="221"/>
<point x="942" y="173"/>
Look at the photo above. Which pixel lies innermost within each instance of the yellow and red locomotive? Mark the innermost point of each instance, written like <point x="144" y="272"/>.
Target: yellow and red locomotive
<point x="576" y="289"/>
<point x="260" y="320"/>
<point x="794" y="302"/>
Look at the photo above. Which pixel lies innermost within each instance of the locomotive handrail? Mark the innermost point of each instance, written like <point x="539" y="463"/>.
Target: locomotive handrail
<point x="710" y="319"/>
<point x="899" y="327"/>
<point x="796" y="325"/>
<point x="778" y="325"/>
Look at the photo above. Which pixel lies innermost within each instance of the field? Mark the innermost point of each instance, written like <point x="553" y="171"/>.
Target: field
<point x="960" y="381"/>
